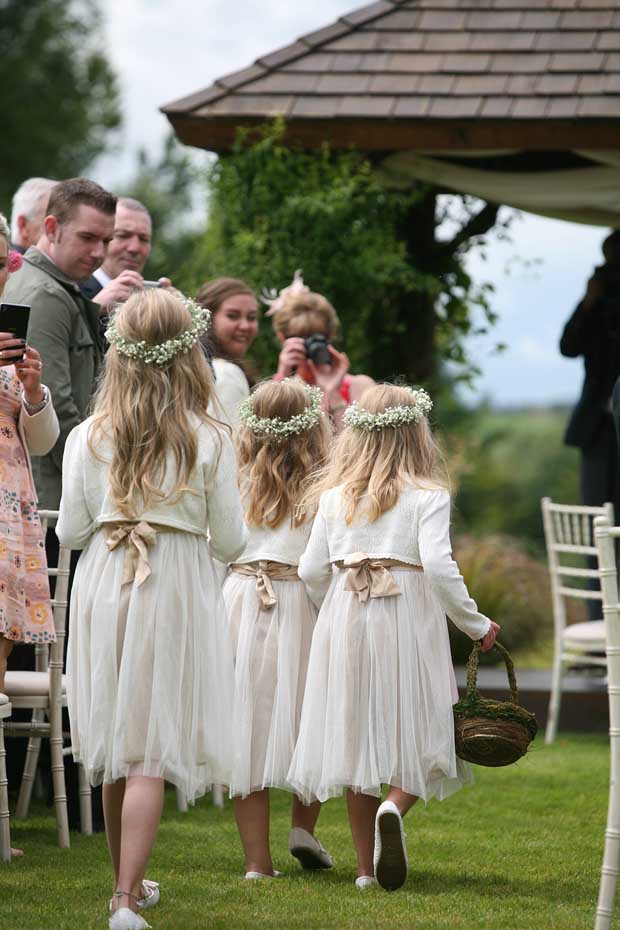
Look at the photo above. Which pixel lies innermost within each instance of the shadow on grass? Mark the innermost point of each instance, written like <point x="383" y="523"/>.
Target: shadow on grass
<point x="436" y="883"/>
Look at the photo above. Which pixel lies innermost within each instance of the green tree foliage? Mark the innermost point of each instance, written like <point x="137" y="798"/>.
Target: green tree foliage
<point x="59" y="94"/>
<point x="503" y="464"/>
<point x="403" y="295"/>
<point x="166" y="186"/>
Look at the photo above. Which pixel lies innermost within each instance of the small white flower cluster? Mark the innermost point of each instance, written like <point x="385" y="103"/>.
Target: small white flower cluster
<point x="163" y="352"/>
<point x="277" y="428"/>
<point x="392" y="416"/>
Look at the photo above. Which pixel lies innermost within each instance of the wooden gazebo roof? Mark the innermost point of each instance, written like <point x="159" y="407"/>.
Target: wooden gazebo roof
<point x="434" y="76"/>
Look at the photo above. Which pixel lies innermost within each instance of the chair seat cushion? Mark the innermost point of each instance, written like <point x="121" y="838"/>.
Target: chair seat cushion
<point x="586" y="635"/>
<point x="22" y="684"/>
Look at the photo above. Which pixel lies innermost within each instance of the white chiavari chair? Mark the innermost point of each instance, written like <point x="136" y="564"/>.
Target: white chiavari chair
<point x="43" y="692"/>
<point x="5" y="828"/>
<point x="569" y="538"/>
<point x="605" y="542"/>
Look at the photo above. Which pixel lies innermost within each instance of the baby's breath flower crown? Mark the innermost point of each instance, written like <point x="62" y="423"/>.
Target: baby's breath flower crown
<point x="276" y="427"/>
<point x="163" y="352"/>
<point x="358" y="418"/>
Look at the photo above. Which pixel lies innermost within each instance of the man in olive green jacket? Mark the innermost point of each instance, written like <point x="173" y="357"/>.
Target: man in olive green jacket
<point x="63" y="324"/>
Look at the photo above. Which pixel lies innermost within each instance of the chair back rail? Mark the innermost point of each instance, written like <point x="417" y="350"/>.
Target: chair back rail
<point x="569" y="533"/>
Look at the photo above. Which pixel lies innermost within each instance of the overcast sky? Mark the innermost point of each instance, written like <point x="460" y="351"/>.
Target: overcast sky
<point x="162" y="51"/>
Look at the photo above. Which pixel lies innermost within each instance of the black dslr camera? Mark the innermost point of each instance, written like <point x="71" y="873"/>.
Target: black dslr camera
<point x="316" y="347"/>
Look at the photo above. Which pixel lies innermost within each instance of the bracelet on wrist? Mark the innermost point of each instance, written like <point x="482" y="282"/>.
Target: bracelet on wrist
<point x="31" y="409"/>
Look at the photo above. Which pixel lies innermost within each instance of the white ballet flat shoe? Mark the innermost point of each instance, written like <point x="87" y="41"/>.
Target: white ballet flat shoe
<point x="390" y="853"/>
<point x="125" y="919"/>
<point x="365" y="881"/>
<point x="151" y="894"/>
<point x="307" y="849"/>
<point x="257" y="876"/>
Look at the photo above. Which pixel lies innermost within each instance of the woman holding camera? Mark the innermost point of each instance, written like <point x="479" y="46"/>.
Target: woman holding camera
<point x="306" y="324"/>
<point x="234" y="328"/>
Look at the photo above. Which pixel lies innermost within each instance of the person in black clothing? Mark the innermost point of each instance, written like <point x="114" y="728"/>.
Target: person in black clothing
<point x="593" y="331"/>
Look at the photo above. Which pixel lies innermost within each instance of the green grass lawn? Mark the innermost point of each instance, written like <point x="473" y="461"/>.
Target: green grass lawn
<point x="520" y="850"/>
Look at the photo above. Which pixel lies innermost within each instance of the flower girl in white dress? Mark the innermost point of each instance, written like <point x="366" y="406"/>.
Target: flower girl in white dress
<point x="282" y="439"/>
<point x="149" y="668"/>
<point x="380" y="684"/>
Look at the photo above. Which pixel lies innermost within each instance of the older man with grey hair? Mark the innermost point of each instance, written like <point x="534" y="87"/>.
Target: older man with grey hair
<point x="29" y="209"/>
<point x="126" y="256"/>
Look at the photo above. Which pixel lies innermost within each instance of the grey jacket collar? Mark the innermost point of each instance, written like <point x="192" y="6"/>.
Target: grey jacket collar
<point x="40" y="260"/>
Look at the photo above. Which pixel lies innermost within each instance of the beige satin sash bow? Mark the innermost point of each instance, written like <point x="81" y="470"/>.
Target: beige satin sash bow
<point x="136" y="537"/>
<point x="265" y="571"/>
<point x="372" y="577"/>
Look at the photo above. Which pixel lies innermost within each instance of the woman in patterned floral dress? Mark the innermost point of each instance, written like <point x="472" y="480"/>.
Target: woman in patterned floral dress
<point x="28" y="424"/>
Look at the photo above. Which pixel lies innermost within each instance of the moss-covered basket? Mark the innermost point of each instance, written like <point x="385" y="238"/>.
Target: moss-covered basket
<point x="488" y="732"/>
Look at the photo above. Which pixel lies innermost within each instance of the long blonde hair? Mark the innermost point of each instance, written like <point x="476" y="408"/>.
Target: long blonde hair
<point x="275" y="473"/>
<point x="147" y="411"/>
<point x="373" y="466"/>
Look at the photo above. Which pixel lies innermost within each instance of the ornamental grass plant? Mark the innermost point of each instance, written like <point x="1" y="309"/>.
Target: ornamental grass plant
<point x="520" y="850"/>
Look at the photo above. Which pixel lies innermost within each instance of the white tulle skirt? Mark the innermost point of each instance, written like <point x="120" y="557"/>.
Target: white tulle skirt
<point x="379" y="696"/>
<point x="150" y="668"/>
<point x="271" y="650"/>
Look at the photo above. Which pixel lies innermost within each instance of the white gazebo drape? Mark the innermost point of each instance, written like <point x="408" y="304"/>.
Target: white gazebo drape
<point x="589" y="194"/>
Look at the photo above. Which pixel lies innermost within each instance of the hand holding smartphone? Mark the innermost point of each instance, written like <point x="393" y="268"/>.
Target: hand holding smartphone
<point x="13" y="330"/>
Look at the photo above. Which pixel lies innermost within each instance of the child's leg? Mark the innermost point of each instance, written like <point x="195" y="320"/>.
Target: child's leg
<point x="252" y="815"/>
<point x="362" y="812"/>
<point x="302" y="843"/>
<point x="305" y="815"/>
<point x="401" y="799"/>
<point x="113" y="795"/>
<point x="141" y="813"/>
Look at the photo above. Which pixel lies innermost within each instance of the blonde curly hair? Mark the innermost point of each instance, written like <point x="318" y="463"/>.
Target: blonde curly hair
<point x="275" y="473"/>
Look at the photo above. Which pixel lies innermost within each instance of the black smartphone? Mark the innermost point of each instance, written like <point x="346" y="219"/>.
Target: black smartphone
<point x="14" y="320"/>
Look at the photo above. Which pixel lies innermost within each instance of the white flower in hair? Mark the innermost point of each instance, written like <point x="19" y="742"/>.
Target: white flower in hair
<point x="358" y="418"/>
<point x="163" y="352"/>
<point x="276" y="427"/>
<point x="276" y="300"/>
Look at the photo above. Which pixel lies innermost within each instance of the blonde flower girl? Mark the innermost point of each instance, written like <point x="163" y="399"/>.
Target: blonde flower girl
<point x="146" y="480"/>
<point x="282" y="439"/>
<point x="380" y="684"/>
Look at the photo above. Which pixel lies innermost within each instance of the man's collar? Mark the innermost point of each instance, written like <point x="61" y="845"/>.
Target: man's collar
<point x="39" y="259"/>
<point x="102" y="276"/>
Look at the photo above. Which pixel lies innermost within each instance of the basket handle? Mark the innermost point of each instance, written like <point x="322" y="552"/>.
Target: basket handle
<point x="472" y="671"/>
